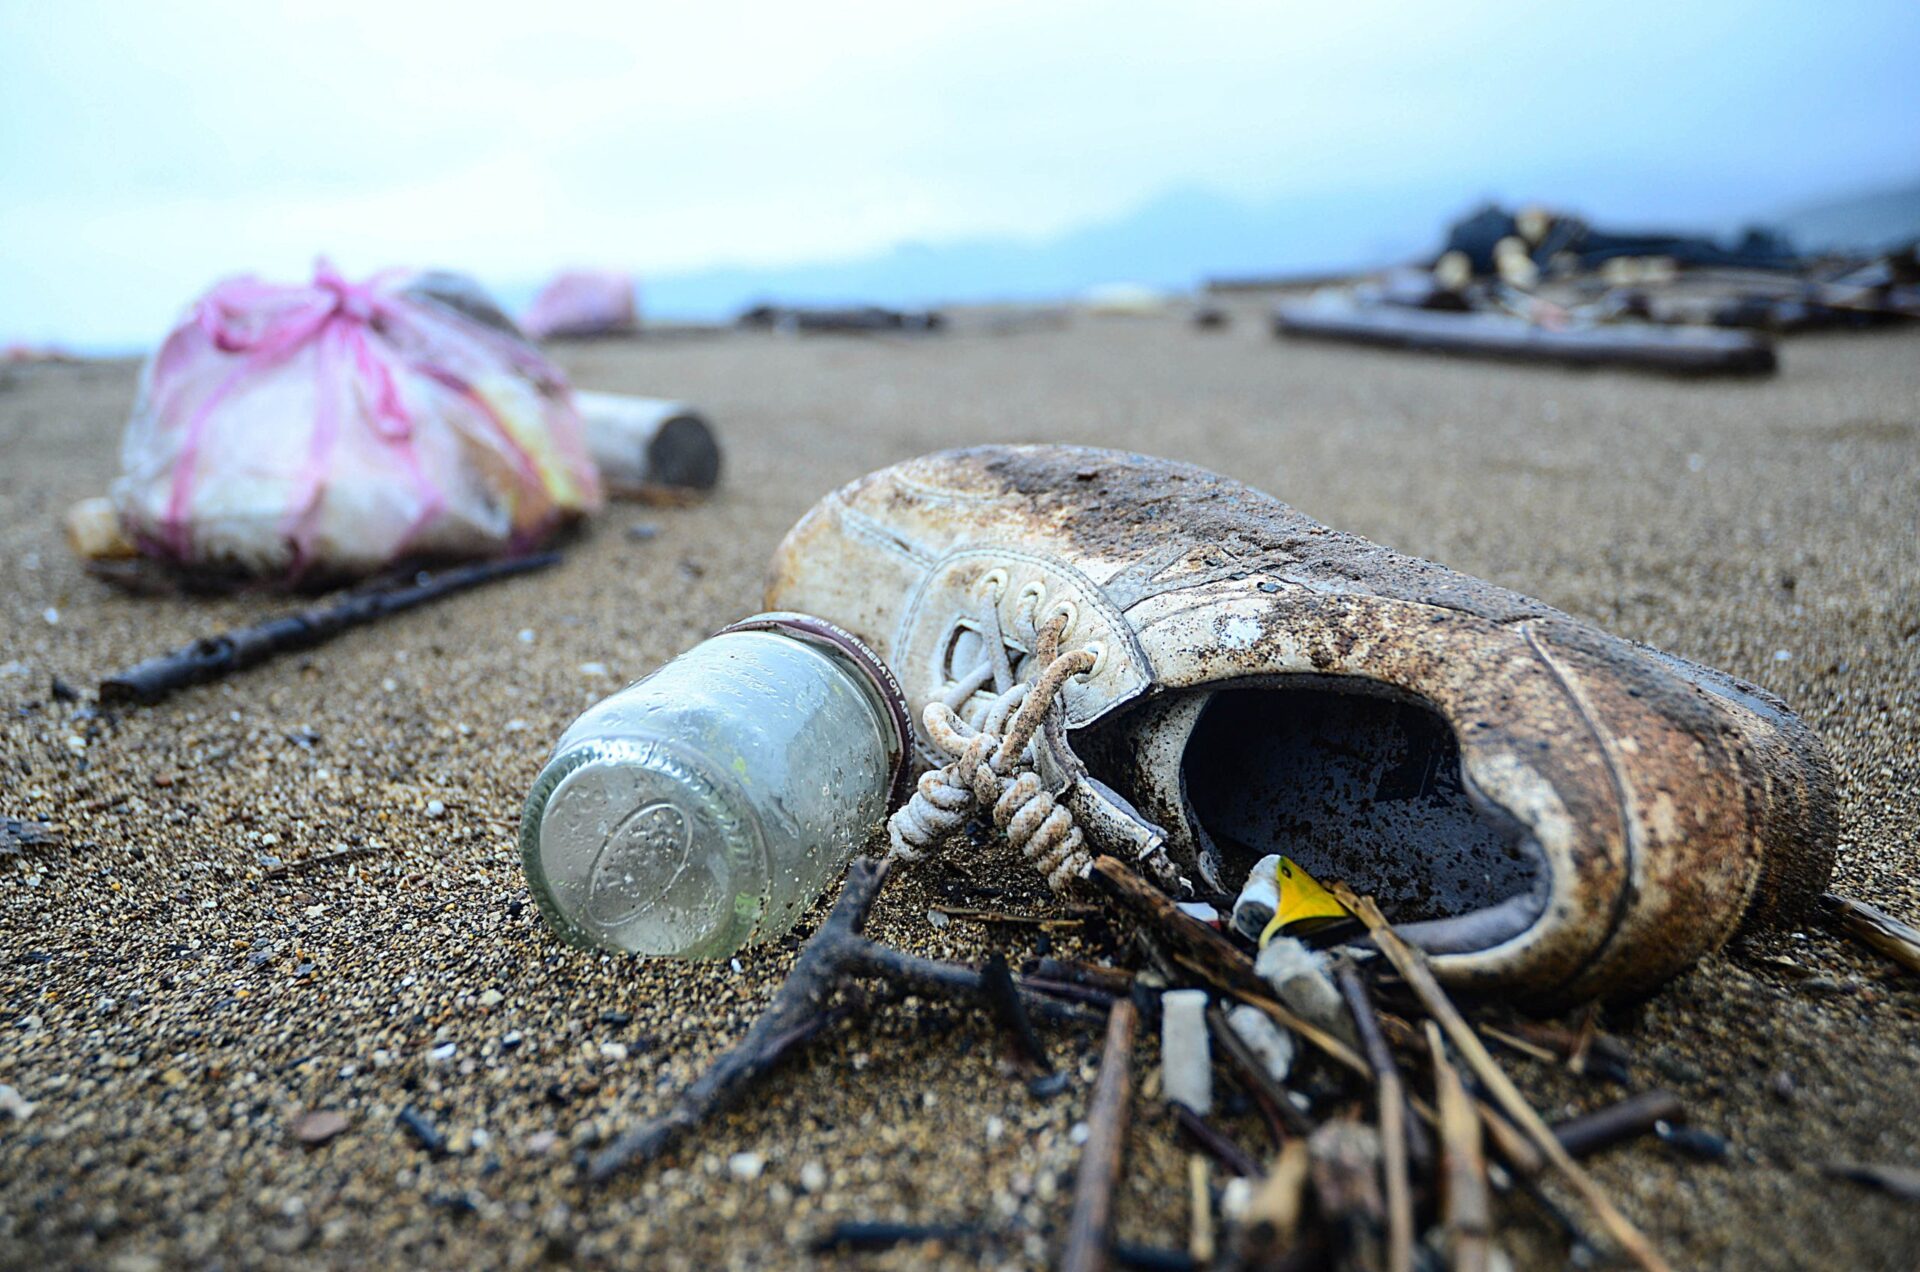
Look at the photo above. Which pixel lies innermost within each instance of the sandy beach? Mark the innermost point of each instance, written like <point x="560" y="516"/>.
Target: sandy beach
<point x="177" y="989"/>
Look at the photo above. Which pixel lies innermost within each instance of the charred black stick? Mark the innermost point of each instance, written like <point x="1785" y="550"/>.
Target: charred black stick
<point x="1391" y="1095"/>
<point x="798" y="1014"/>
<point x="214" y="657"/>
<point x="1061" y="989"/>
<point x="1213" y="1141"/>
<point x="1114" y="981"/>
<point x="1089" y="1232"/>
<point x="850" y="1235"/>
<point x="1009" y="1009"/>
<point x="1283" y="1119"/>
<point x="1634" y="1116"/>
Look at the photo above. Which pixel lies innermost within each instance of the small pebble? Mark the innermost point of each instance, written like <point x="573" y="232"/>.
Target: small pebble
<point x="746" y="1166"/>
<point x="319" y="1126"/>
<point x="594" y="669"/>
<point x="1048" y="1085"/>
<point x="813" y="1177"/>
<point x="641" y="531"/>
<point x="14" y="1105"/>
<point x="490" y="998"/>
<point x="1692" y="1142"/>
<point x="436" y="809"/>
<point x="422" y="1131"/>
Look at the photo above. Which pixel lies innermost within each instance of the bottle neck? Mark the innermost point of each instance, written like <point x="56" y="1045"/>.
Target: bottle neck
<point x="870" y="672"/>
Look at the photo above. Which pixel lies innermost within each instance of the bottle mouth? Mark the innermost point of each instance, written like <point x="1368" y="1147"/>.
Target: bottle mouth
<point x="628" y="846"/>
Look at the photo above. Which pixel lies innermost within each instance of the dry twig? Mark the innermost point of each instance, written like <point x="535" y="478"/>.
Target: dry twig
<point x="1469" y="1208"/>
<point x="1391" y="1098"/>
<point x="1090" y="1230"/>
<point x="1412" y="966"/>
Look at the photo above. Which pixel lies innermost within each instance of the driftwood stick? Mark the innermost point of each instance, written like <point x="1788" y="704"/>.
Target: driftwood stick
<point x="1270" y="1228"/>
<point x="1203" y="947"/>
<point x="799" y="1013"/>
<point x="1089" y="1232"/>
<point x="1412" y="966"/>
<point x="1467" y="1204"/>
<point x="214" y="657"/>
<point x="1876" y="929"/>
<point x="1391" y="1096"/>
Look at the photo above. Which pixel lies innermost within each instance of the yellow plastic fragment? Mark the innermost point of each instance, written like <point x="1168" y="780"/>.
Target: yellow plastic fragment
<point x="1305" y="907"/>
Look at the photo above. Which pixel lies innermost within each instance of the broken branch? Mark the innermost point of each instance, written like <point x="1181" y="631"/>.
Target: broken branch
<point x="798" y="1014"/>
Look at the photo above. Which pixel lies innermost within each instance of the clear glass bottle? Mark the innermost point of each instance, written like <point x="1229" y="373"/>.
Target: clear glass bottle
<point x="705" y="806"/>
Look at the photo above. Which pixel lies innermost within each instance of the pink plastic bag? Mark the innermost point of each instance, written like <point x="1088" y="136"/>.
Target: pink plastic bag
<point x="582" y="303"/>
<point x="329" y="430"/>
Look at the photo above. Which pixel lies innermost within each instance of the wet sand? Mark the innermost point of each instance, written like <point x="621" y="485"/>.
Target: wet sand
<point x="170" y="1005"/>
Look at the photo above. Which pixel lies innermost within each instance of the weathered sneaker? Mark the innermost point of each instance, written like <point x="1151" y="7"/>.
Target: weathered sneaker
<point x="1547" y="809"/>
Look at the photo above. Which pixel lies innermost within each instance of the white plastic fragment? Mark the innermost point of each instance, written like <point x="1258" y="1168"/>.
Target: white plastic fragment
<point x="1300" y="979"/>
<point x="1235" y="1195"/>
<point x="1186" y="1060"/>
<point x="1200" y="910"/>
<point x="1260" y="899"/>
<point x="1272" y="1045"/>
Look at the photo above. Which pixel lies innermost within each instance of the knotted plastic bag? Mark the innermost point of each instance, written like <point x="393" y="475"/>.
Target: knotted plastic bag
<point x="326" y="431"/>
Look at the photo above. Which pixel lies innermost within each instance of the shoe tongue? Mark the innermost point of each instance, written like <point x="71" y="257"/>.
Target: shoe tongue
<point x="1149" y="771"/>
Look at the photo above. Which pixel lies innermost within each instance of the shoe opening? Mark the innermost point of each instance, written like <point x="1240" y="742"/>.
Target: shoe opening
<point x="1357" y="785"/>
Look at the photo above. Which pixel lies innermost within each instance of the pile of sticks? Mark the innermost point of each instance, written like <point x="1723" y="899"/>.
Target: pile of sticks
<point x="1387" y="1151"/>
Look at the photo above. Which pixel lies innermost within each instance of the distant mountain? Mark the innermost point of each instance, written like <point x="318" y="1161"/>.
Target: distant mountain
<point x="1864" y="222"/>
<point x="1172" y="241"/>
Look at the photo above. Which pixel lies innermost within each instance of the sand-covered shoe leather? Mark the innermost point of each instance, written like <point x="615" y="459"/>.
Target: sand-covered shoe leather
<point x="1543" y="807"/>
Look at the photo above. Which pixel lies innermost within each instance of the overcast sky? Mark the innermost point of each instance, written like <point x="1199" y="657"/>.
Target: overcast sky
<point x="146" y="149"/>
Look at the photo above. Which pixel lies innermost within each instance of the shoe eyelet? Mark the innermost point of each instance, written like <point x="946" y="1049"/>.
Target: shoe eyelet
<point x="1026" y="606"/>
<point x="1098" y="648"/>
<point x="1072" y="614"/>
<point x="992" y="584"/>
